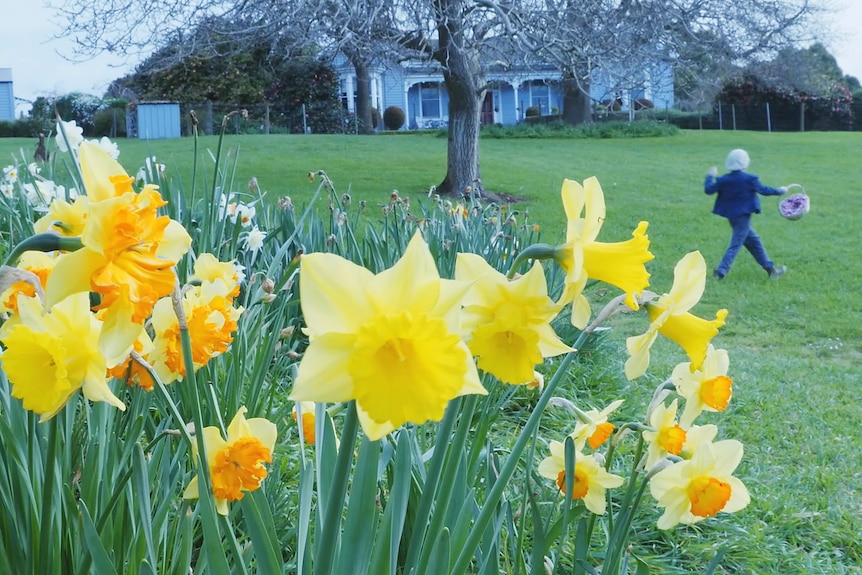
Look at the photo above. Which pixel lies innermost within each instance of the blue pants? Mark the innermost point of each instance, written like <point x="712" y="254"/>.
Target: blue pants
<point x="743" y="235"/>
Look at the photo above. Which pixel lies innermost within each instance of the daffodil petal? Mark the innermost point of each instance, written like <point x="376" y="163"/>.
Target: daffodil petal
<point x="323" y="373"/>
<point x="372" y="429"/>
<point x="689" y="281"/>
<point x="71" y="275"/>
<point x="412" y="284"/>
<point x="594" y="203"/>
<point x="97" y="168"/>
<point x="175" y="243"/>
<point x="573" y="196"/>
<point x="119" y="332"/>
<point x="333" y="293"/>
<point x="191" y="491"/>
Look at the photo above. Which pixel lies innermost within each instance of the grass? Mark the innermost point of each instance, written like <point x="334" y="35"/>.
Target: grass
<point x="795" y="344"/>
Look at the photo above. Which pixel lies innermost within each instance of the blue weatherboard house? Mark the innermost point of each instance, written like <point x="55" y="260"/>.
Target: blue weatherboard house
<point x="7" y="96"/>
<point x="418" y="89"/>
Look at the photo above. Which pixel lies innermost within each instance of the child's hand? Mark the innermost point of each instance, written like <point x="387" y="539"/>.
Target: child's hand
<point x="713" y="171"/>
<point x="783" y="189"/>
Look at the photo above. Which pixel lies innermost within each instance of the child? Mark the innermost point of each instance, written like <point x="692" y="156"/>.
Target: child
<point x="737" y="200"/>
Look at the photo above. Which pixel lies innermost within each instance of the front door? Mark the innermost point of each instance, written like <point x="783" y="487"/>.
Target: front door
<point x="488" y="108"/>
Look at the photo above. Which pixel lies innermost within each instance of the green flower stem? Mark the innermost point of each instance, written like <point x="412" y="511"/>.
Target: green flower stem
<point x="326" y="546"/>
<point x="48" y="487"/>
<point x="212" y="539"/>
<point x="532" y="252"/>
<point x="496" y="492"/>
<point x="444" y="430"/>
<point x="618" y="529"/>
<point x="44" y="242"/>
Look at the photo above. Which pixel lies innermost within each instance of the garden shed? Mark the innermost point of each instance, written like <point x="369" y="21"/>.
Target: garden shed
<point x="7" y="97"/>
<point x="153" y="120"/>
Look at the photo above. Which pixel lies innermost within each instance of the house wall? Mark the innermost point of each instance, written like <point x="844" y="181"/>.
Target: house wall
<point x="7" y="95"/>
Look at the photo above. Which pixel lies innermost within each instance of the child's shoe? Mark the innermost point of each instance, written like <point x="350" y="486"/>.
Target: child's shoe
<point x="776" y="272"/>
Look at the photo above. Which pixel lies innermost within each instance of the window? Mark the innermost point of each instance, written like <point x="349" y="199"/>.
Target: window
<point x="540" y="96"/>
<point x="429" y="93"/>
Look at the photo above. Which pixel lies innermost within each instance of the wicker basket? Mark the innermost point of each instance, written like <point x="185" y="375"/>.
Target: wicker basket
<point x="794" y="207"/>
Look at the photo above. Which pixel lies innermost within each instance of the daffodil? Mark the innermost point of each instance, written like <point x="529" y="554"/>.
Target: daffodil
<point x="593" y="427"/>
<point x="207" y="268"/>
<point x="69" y="132"/>
<point x="702" y="486"/>
<point x="695" y="436"/>
<point x="582" y="257"/>
<point x="666" y="436"/>
<point x="508" y="322"/>
<point x="129" y="251"/>
<point x="390" y="341"/>
<point x="50" y="356"/>
<point x="236" y="463"/>
<point x="64" y="218"/>
<point x="670" y="317"/>
<point x="212" y="321"/>
<point x="705" y="389"/>
<point x="303" y="414"/>
<point x="39" y="264"/>
<point x="591" y="479"/>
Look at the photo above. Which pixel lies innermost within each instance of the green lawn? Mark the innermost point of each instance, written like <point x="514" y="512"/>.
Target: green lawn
<point x="795" y="344"/>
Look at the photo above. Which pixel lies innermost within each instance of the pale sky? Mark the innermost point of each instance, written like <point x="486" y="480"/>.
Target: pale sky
<point x="38" y="66"/>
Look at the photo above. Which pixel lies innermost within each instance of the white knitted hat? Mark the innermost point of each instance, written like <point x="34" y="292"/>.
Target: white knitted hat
<point x="737" y="160"/>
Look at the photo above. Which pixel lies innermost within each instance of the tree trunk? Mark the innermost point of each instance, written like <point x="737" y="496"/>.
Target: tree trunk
<point x="577" y="107"/>
<point x="363" y="97"/>
<point x="465" y="83"/>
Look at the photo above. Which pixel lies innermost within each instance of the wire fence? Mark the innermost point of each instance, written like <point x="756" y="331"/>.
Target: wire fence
<point x="267" y="119"/>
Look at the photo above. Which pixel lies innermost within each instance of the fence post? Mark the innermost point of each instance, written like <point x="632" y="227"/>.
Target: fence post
<point x="208" y="123"/>
<point x="733" y="113"/>
<point x="304" y="121"/>
<point x="768" y="119"/>
<point x="266" y="119"/>
<point x="720" y="119"/>
<point x="801" y="116"/>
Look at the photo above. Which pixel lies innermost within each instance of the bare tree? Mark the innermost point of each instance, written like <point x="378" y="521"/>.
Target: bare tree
<point x="620" y="37"/>
<point x="623" y="38"/>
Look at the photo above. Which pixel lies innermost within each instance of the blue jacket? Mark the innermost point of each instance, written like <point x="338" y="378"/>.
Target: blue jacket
<point x="737" y="193"/>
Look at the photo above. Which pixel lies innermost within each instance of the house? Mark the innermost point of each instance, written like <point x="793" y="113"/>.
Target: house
<point x="418" y="89"/>
<point x="7" y="97"/>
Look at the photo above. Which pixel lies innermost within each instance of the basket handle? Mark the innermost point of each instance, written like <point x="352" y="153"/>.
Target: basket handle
<point x="792" y="186"/>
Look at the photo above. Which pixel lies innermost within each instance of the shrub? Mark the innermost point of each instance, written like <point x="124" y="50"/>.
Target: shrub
<point x="532" y="111"/>
<point x="643" y="104"/>
<point x="22" y="128"/>
<point x="110" y="122"/>
<point x="393" y="118"/>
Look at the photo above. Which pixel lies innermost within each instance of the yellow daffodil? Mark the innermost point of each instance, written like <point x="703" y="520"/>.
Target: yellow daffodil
<point x="670" y="317"/>
<point x="508" y="322"/>
<point x="39" y="264"/>
<point x="64" y="218"/>
<point x="303" y="414"/>
<point x="131" y="371"/>
<point x="705" y="389"/>
<point x="50" y="356"/>
<point x="236" y="464"/>
<point x="702" y="486"/>
<point x="390" y="341"/>
<point x="212" y="321"/>
<point x="207" y="268"/>
<point x="128" y="254"/>
<point x="666" y="436"/>
<point x="591" y="479"/>
<point x="695" y="436"/>
<point x="593" y="427"/>
<point x="582" y="257"/>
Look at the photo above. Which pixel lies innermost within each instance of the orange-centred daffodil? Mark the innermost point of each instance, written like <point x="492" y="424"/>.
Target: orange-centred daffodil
<point x="390" y="341"/>
<point x="702" y="486"/>
<point x="593" y="427"/>
<point x="212" y="321"/>
<point x="591" y="479"/>
<point x="128" y="254"/>
<point x="705" y="389"/>
<point x="670" y="317"/>
<point x="508" y="322"/>
<point x="582" y="257"/>
<point x="39" y="264"/>
<point x="50" y="356"/>
<point x="236" y="464"/>
<point x="665" y="437"/>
